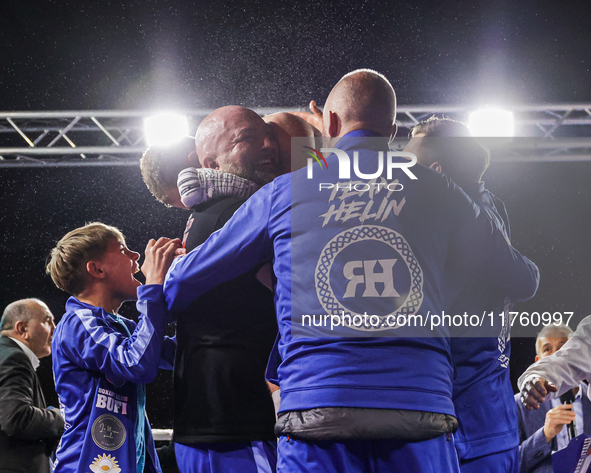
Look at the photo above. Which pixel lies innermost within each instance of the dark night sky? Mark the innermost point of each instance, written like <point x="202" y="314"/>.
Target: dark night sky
<point x="66" y="55"/>
<point x="143" y="54"/>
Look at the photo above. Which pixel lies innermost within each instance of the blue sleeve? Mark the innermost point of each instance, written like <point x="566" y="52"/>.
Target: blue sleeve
<point x="273" y="363"/>
<point x="168" y="351"/>
<point x="237" y="247"/>
<point x="533" y="449"/>
<point x="502" y="210"/>
<point x="481" y="248"/>
<point x="96" y="346"/>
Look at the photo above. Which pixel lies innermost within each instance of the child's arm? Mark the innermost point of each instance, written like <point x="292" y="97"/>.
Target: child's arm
<point x="101" y="345"/>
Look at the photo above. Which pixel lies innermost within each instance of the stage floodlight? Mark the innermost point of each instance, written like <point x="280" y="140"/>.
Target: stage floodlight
<point x="165" y="128"/>
<point x="491" y="122"/>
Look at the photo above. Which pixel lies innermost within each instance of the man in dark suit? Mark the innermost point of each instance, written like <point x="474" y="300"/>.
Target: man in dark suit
<point x="28" y="431"/>
<point x="542" y="431"/>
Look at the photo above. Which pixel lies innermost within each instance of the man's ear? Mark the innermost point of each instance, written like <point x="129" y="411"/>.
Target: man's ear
<point x="394" y="131"/>
<point x="95" y="270"/>
<point x="334" y="124"/>
<point x="437" y="167"/>
<point x="210" y="163"/>
<point x="20" y="328"/>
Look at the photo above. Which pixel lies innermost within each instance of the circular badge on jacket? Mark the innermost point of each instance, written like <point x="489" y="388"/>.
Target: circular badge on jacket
<point x="108" y="432"/>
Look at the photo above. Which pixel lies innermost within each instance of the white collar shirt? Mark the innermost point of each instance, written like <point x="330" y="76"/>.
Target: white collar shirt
<point x="28" y="352"/>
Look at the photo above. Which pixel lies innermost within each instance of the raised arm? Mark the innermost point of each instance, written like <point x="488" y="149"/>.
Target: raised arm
<point x="555" y="374"/>
<point x="481" y="247"/>
<point x="119" y="349"/>
<point x="231" y="251"/>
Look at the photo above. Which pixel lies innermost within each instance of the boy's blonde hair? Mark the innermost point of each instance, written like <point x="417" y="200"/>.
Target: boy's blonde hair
<point x="67" y="261"/>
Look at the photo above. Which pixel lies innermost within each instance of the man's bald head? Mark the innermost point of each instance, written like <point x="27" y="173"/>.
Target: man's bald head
<point x="361" y="100"/>
<point x="31" y="322"/>
<point x="22" y="310"/>
<point x="236" y="140"/>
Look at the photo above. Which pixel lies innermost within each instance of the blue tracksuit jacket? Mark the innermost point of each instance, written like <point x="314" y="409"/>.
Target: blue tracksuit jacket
<point x="100" y="365"/>
<point x="482" y="362"/>
<point x="325" y="250"/>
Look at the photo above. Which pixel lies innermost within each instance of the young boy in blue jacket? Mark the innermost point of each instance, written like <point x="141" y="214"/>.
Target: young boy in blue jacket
<point x="101" y="360"/>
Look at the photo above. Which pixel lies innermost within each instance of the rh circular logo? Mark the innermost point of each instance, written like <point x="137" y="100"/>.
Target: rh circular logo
<point x="370" y="269"/>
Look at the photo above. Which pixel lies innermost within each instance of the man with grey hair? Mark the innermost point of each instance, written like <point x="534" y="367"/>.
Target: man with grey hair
<point x="556" y="374"/>
<point x="28" y="431"/>
<point x="551" y="339"/>
<point x="542" y="431"/>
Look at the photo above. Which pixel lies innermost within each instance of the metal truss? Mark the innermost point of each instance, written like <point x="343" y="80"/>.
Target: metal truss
<point x="530" y="120"/>
<point x="74" y="138"/>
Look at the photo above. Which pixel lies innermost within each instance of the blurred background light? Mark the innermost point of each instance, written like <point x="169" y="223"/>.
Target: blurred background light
<point x="165" y="128"/>
<point x="491" y="122"/>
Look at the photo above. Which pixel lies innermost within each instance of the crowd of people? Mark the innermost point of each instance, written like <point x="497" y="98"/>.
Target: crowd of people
<point x="266" y="244"/>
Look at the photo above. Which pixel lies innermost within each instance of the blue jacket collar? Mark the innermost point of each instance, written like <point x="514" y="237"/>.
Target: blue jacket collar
<point x="475" y="189"/>
<point x="357" y="139"/>
<point x="74" y="304"/>
<point x="363" y="133"/>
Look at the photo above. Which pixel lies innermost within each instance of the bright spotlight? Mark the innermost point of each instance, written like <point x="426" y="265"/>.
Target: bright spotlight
<point x="491" y="122"/>
<point x="165" y="128"/>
